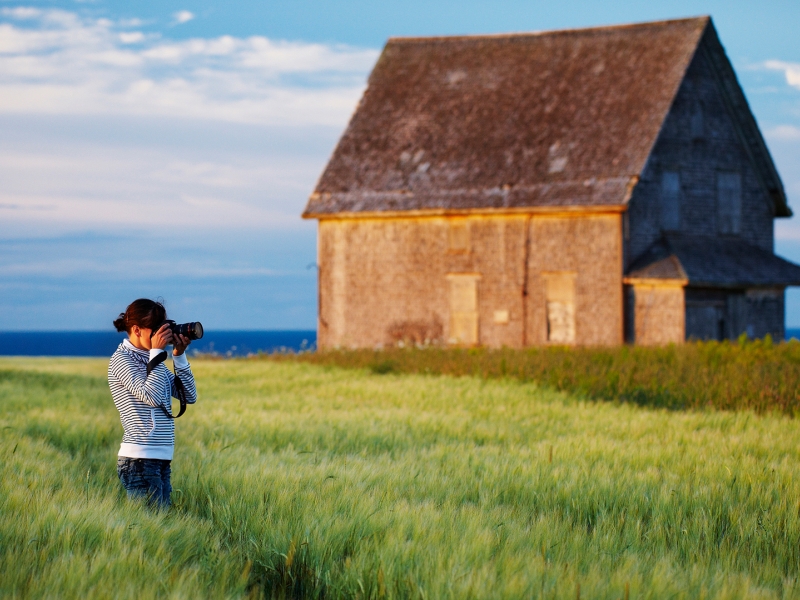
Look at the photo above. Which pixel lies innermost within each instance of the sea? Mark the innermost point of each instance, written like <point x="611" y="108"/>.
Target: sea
<point x="213" y="343"/>
<point x="103" y="343"/>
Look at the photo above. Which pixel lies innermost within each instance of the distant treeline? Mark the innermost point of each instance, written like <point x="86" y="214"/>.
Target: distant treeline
<point x="758" y="375"/>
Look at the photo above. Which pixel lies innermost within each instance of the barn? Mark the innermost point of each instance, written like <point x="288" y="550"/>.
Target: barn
<point x="589" y="187"/>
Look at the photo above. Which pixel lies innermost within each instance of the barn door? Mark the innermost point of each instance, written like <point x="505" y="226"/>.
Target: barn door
<point x="560" y="289"/>
<point x="463" y="309"/>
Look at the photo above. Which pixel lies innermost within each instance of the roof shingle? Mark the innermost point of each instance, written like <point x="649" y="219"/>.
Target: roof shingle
<point x="553" y="119"/>
<point x="713" y="262"/>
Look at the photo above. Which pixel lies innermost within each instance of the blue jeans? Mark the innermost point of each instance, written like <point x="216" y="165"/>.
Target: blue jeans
<point x="146" y="478"/>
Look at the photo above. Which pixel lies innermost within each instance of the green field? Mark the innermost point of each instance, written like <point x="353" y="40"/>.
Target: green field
<point x="301" y="480"/>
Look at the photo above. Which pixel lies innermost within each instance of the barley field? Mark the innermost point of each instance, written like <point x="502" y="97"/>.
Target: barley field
<point x="295" y="480"/>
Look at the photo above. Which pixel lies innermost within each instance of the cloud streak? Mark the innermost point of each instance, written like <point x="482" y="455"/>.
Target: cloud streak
<point x="59" y="63"/>
<point x="148" y="188"/>
<point x="791" y="71"/>
<point x="183" y="16"/>
<point x="784" y="132"/>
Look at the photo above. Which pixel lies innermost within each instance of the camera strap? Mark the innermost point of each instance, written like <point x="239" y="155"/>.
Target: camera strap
<point x="180" y="390"/>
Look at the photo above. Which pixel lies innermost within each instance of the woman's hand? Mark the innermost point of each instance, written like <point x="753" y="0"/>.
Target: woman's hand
<point x="179" y="343"/>
<point x="162" y="338"/>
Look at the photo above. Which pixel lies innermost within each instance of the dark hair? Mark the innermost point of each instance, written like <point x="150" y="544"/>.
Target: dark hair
<point x="143" y="312"/>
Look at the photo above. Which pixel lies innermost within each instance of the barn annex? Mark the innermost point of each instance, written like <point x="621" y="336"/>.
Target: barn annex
<point x="571" y="187"/>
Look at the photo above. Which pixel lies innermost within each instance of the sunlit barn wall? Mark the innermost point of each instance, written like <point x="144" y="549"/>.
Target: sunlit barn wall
<point x="385" y="280"/>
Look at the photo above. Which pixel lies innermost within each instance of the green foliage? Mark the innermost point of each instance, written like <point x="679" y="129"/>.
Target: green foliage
<point x="758" y="375"/>
<point x="300" y="481"/>
<point x="383" y="367"/>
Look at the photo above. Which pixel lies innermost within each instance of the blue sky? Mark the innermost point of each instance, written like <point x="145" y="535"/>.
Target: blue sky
<point x="167" y="148"/>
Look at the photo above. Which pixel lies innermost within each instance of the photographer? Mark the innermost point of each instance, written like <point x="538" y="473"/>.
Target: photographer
<point x="143" y="388"/>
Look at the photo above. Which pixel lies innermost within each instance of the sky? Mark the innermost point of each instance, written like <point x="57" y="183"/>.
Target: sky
<point x="167" y="149"/>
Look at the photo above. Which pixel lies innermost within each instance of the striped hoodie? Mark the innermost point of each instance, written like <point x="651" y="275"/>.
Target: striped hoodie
<point x="149" y="433"/>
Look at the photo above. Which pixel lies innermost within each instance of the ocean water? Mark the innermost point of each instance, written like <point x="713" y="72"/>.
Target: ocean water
<point x="216" y="343"/>
<point x="103" y="343"/>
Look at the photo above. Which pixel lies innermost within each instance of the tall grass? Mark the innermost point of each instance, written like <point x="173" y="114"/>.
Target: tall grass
<point x="296" y="480"/>
<point x="756" y="375"/>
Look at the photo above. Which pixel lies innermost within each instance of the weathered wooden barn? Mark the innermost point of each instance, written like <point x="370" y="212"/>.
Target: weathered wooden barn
<point x="571" y="187"/>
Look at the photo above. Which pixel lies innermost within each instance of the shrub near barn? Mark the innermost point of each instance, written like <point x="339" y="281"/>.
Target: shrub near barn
<point x="754" y="375"/>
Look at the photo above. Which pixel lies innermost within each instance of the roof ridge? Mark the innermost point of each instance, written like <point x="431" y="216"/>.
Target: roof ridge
<point x="547" y="32"/>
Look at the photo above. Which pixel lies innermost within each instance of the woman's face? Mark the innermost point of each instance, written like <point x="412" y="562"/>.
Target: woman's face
<point x="141" y="337"/>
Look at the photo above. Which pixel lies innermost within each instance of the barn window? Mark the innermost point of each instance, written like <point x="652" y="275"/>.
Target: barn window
<point x="670" y="201"/>
<point x="560" y="290"/>
<point x="463" y="308"/>
<point x="458" y="236"/>
<point x="729" y="202"/>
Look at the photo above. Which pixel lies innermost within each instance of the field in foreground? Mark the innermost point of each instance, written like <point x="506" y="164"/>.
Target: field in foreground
<point x="305" y="481"/>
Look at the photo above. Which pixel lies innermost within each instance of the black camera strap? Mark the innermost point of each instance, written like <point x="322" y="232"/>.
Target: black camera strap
<point x="179" y="388"/>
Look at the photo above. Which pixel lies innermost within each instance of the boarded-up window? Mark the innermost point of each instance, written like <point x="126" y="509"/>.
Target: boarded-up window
<point x="729" y="202"/>
<point x="463" y="309"/>
<point x="458" y="236"/>
<point x="501" y="317"/>
<point x="670" y="200"/>
<point x="560" y="290"/>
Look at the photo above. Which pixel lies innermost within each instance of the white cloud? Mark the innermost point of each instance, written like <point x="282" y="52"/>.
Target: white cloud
<point x="125" y="152"/>
<point x="131" y="37"/>
<point x="183" y="16"/>
<point x="790" y="70"/>
<point x="120" y="188"/>
<point x="783" y="132"/>
<point x="69" y="65"/>
<point x="21" y="12"/>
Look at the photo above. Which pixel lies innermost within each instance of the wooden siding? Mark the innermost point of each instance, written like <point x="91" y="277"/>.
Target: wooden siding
<point x="657" y="314"/>
<point x="699" y="141"/>
<point x="384" y="281"/>
<point x="766" y="309"/>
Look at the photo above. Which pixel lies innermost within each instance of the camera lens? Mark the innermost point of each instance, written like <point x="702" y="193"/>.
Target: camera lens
<point x="194" y="331"/>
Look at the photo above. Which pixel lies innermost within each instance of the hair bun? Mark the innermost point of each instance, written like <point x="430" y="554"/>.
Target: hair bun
<point x="119" y="323"/>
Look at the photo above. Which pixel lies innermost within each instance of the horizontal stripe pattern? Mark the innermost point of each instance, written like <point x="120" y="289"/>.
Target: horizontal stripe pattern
<point x="139" y="396"/>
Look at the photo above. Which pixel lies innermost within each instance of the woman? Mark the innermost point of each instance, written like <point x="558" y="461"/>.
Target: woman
<point x="143" y="389"/>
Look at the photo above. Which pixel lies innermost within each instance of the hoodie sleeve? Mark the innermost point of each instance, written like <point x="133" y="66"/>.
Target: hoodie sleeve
<point x="184" y="372"/>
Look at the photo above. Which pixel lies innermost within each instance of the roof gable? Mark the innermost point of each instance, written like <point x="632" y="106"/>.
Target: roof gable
<point x="744" y="122"/>
<point x="558" y="119"/>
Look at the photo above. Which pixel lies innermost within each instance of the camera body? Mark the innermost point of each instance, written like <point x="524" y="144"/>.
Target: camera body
<point x="193" y="331"/>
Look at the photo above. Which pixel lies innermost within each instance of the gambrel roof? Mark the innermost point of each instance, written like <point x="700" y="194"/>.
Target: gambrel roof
<point x="561" y="119"/>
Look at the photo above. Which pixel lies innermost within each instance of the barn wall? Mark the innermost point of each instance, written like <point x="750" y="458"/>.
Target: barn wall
<point x="382" y="281"/>
<point x="591" y="248"/>
<point x="376" y="276"/>
<point x="700" y="143"/>
<point x="766" y="313"/>
<point x="657" y="314"/>
<point x="715" y="314"/>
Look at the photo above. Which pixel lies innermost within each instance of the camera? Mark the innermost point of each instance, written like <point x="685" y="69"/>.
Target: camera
<point x="193" y="331"/>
